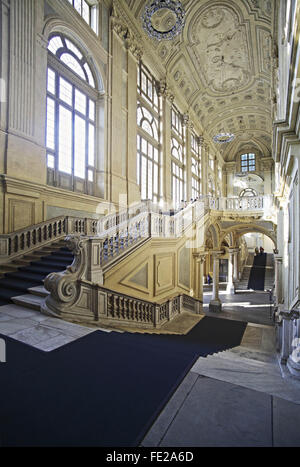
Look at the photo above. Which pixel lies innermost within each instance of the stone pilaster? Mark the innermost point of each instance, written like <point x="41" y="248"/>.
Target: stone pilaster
<point x="167" y="99"/>
<point x="187" y="151"/>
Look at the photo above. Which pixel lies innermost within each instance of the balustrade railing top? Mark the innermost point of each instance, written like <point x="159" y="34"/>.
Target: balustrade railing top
<point x="130" y="225"/>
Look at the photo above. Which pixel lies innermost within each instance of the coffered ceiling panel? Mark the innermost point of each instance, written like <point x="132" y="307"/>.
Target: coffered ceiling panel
<point x="220" y="66"/>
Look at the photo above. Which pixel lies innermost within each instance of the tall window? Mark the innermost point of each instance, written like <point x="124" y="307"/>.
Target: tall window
<point x="248" y="163"/>
<point x="149" y="168"/>
<point x="196" y="167"/>
<point x="89" y="12"/>
<point x="178" y="158"/>
<point x="71" y="117"/>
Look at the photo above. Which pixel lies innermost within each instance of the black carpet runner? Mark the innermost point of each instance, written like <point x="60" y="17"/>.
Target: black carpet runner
<point x="18" y="282"/>
<point x="257" y="273"/>
<point x="105" y="389"/>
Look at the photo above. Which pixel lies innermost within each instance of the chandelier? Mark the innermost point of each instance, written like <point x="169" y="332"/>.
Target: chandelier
<point x="163" y="19"/>
<point x="223" y="138"/>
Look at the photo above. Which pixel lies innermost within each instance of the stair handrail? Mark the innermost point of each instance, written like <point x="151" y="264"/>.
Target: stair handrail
<point x="29" y="238"/>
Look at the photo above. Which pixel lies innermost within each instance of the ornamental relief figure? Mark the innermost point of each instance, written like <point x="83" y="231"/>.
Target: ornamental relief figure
<point x="220" y="47"/>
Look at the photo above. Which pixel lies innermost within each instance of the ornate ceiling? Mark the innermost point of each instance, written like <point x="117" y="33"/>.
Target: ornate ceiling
<point x="220" y="67"/>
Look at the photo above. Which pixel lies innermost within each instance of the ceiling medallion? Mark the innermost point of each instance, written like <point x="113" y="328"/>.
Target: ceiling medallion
<point x="163" y="19"/>
<point x="223" y="138"/>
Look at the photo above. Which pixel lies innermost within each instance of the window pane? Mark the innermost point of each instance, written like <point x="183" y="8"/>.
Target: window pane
<point x="91" y="158"/>
<point x="150" y="179"/>
<point x="86" y="12"/>
<point x="147" y="127"/>
<point x="74" y="49"/>
<point x="80" y="102"/>
<point x="50" y="161"/>
<point x="144" y="178"/>
<point x="79" y="147"/>
<point x="50" y="138"/>
<point x="77" y="6"/>
<point x="65" y="91"/>
<point x="90" y="176"/>
<point x="89" y="74"/>
<point x="55" y="44"/>
<point x="65" y="140"/>
<point x="144" y="146"/>
<point x="72" y="63"/>
<point x="155" y="178"/>
<point x="51" y="81"/>
<point x="92" y="110"/>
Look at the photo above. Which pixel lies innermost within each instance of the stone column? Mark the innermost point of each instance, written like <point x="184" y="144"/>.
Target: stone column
<point x="278" y="278"/>
<point x="230" y="284"/>
<point x="215" y="303"/>
<point x="236" y="265"/>
<point x="285" y="341"/>
<point x="200" y="258"/>
<point x="293" y="362"/>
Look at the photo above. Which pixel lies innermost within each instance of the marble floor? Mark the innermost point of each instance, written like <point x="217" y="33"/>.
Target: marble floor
<point x="38" y="330"/>
<point x="247" y="306"/>
<point x="236" y="398"/>
<point x="239" y="397"/>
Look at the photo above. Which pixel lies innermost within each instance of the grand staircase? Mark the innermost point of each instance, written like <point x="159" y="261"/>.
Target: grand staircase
<point x="21" y="282"/>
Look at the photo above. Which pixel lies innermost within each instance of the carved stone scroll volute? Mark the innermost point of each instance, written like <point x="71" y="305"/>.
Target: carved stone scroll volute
<point x="64" y="286"/>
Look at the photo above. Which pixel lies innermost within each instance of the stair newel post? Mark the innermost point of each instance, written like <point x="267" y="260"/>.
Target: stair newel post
<point x="94" y="261"/>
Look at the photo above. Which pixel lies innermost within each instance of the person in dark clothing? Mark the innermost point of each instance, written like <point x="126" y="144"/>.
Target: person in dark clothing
<point x="261" y="250"/>
<point x="209" y="279"/>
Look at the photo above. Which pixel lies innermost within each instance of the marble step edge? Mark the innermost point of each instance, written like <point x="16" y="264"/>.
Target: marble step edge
<point x="39" y="291"/>
<point x="242" y="361"/>
<point x="30" y="301"/>
<point x="266" y="358"/>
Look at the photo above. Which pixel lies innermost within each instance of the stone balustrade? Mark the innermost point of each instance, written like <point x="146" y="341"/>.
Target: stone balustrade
<point x="25" y="240"/>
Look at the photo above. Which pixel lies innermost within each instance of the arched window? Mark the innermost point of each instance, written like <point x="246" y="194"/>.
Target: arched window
<point x="248" y="162"/>
<point x="248" y="192"/>
<point x="71" y="117"/>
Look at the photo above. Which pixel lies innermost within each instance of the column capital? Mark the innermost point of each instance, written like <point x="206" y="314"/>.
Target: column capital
<point x="234" y="250"/>
<point x="200" y="257"/>
<point x="200" y="141"/>
<point x="185" y="120"/>
<point x="217" y="253"/>
<point x="290" y="315"/>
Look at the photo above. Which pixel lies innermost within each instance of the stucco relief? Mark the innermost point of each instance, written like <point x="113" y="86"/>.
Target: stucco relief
<point x="220" y="46"/>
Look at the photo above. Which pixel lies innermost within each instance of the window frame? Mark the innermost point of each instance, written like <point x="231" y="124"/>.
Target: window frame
<point x="152" y="188"/>
<point x="93" y="10"/>
<point x="246" y="162"/>
<point x="55" y="176"/>
<point x="178" y="185"/>
<point x="196" y="160"/>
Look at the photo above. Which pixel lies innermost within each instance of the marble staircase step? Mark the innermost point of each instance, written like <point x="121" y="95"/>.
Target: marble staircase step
<point x="39" y="290"/>
<point x="31" y="301"/>
<point x="267" y="363"/>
